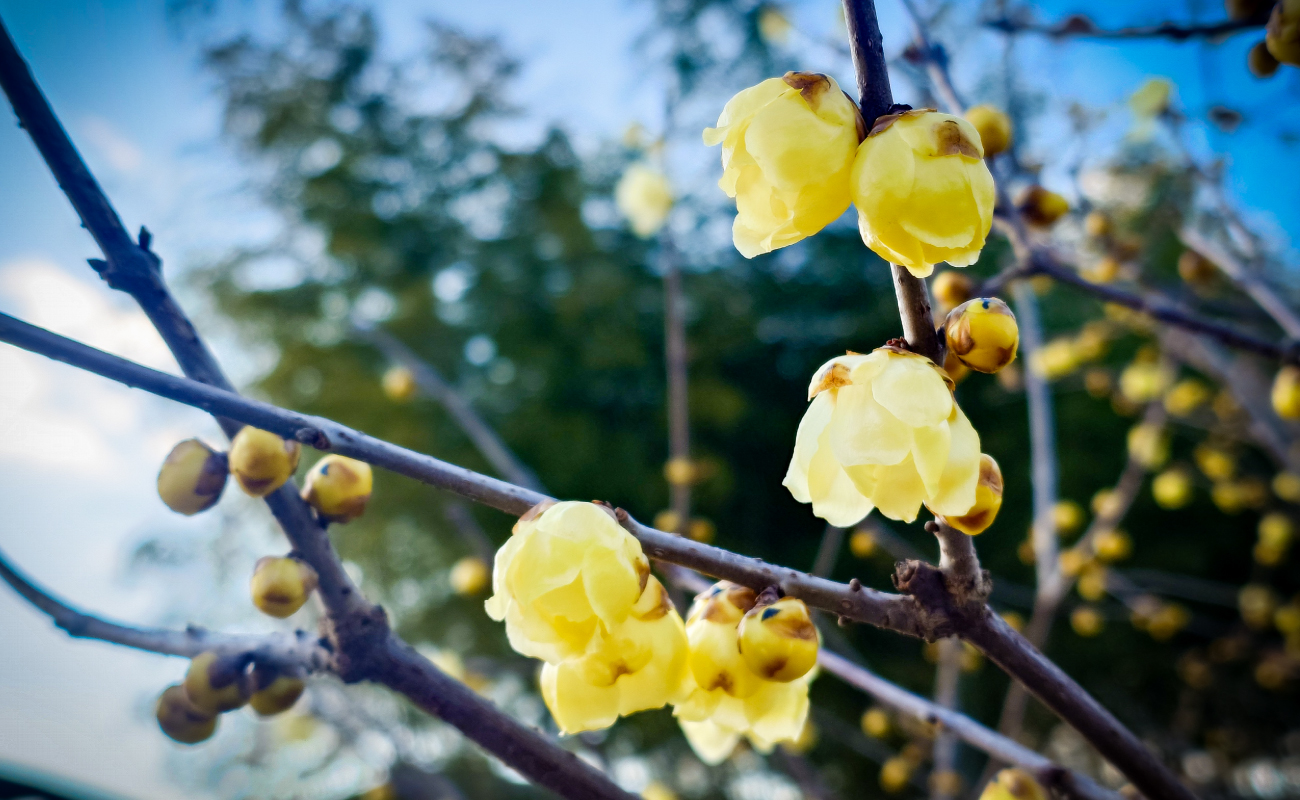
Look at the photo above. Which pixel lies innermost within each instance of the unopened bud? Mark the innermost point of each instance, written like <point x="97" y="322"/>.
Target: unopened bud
<point x="895" y="773"/>
<point x="276" y="692"/>
<point x="1195" y="268"/>
<point x="875" y="722"/>
<point x="339" y="487"/>
<point x="1148" y="445"/>
<point x="988" y="499"/>
<point x="711" y="630"/>
<point x="1087" y="621"/>
<point x="950" y="289"/>
<point x="192" y="477"/>
<point x="1013" y="784"/>
<point x="1286" y="392"/>
<point x="1282" y="36"/>
<point x="1041" y="207"/>
<point x="280" y="586"/>
<point x="215" y="685"/>
<point x="983" y="334"/>
<point x="1096" y="224"/>
<point x="469" y="576"/>
<point x="778" y="641"/>
<point x="261" y="461"/>
<point x="1261" y="62"/>
<point x="1172" y="488"/>
<point x="1112" y="545"/>
<point x="994" y="128"/>
<point x="399" y="384"/>
<point x="180" y="719"/>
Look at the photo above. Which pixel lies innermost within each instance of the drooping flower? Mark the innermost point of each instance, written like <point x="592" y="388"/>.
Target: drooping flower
<point x="788" y="145"/>
<point x="645" y="198"/>
<point x="639" y="665"/>
<point x="883" y="431"/>
<point x="567" y="569"/>
<point x="923" y="191"/>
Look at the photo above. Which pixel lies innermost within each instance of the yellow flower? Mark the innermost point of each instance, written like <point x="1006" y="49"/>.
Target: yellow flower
<point x="923" y="192"/>
<point x="778" y="641"/>
<point x="1217" y="464"/>
<point x="988" y="500"/>
<point x="567" y="569"/>
<point x="1144" y="381"/>
<point x="875" y="722"/>
<point x="1286" y="392"/>
<point x="982" y="333"/>
<point x="1286" y="485"/>
<point x="645" y="198"/>
<point x="994" y="128"/>
<point x="1283" y="34"/>
<point x="1096" y="224"/>
<point x="773" y="25"/>
<point x="469" y="576"/>
<point x="638" y="665"/>
<point x="1092" y="583"/>
<point x="399" y="384"/>
<point x="1257" y="603"/>
<point x="895" y="773"/>
<point x="1013" y="784"/>
<point x="712" y="629"/>
<point x="280" y="586"/>
<point x="1056" y="359"/>
<point x="339" y="487"/>
<point x="1172" y="488"/>
<point x="862" y="543"/>
<point x="950" y="289"/>
<point x="1167" y="620"/>
<point x="714" y="721"/>
<point x="1068" y="516"/>
<point x="787" y="147"/>
<point x="1276" y="529"/>
<point x="1087" y="621"/>
<point x="883" y="431"/>
<point x="1112" y="545"/>
<point x="192" y="477"/>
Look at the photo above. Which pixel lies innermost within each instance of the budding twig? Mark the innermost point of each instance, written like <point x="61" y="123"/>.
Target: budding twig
<point x="298" y="650"/>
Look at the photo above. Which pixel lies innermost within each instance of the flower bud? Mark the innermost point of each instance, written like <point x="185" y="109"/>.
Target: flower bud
<point x="983" y="334"/>
<point x="1167" y="620"/>
<point x="645" y="198"/>
<point x="1013" y="784"/>
<point x="1261" y="62"/>
<point x="1282" y="36"/>
<point x="1087" y="621"/>
<point x="1144" y="381"/>
<point x="1112" y="545"/>
<point x="679" y="471"/>
<point x="1172" y="489"/>
<point x="276" y="693"/>
<point x="1257" y="603"/>
<point x="773" y="26"/>
<point x="1217" y="464"/>
<point x="1286" y="485"/>
<point x="1148" y="445"/>
<point x="1042" y="208"/>
<point x="1286" y="392"/>
<point x="1056" y="359"/>
<point x="469" y="576"/>
<point x="1096" y="224"/>
<point x="787" y="147"/>
<point x="338" y="488"/>
<point x="1276" y="529"/>
<point x="1067" y="515"/>
<point x="1186" y="396"/>
<point x="875" y="722"/>
<point x="667" y="521"/>
<point x="862" y="544"/>
<point x="701" y="530"/>
<point x="923" y="191"/>
<point x="215" y="685"/>
<point x="192" y="477"/>
<point x="778" y="641"/>
<point x="1092" y="583"/>
<point x="1195" y="268"/>
<point x="180" y="720"/>
<point x="261" y="461"/>
<point x="656" y="790"/>
<point x="988" y="500"/>
<point x="280" y="586"/>
<point x="399" y="384"/>
<point x="950" y="289"/>
<point x="1072" y="562"/>
<point x="711" y="630"/>
<point x="895" y="773"/>
<point x="993" y="126"/>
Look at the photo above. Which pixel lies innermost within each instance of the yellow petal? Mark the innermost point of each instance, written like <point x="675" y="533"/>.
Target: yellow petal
<point x="956" y="492"/>
<point x="930" y="454"/>
<point x="833" y="494"/>
<point x="899" y="491"/>
<point x="814" y="421"/>
<point x="710" y="742"/>
<point x="863" y="432"/>
<point x="912" y="390"/>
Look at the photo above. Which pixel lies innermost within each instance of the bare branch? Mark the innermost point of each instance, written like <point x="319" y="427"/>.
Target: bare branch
<point x="1079" y="26"/>
<point x="1245" y="277"/>
<point x="431" y="382"/>
<point x="947" y="680"/>
<point x="828" y="550"/>
<point x="675" y="357"/>
<point x="298" y="650"/>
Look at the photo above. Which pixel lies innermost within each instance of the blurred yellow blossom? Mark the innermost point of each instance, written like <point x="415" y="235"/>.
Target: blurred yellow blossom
<point x="645" y="198"/>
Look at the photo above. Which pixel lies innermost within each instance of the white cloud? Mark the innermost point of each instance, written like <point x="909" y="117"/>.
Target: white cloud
<point x="119" y="151"/>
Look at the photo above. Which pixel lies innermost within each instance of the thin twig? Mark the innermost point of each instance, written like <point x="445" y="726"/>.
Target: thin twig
<point x="1080" y="27"/>
<point x="947" y="680"/>
<point x="828" y="550"/>
<point x="431" y="382"/>
<point x="298" y="650"/>
<point x="1248" y="279"/>
<point x="675" y="357"/>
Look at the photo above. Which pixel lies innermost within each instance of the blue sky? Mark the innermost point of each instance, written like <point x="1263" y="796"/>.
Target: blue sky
<point x="78" y="456"/>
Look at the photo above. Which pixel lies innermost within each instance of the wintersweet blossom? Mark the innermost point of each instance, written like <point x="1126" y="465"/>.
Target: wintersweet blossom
<point x="788" y="145"/>
<point x="568" y="569"/>
<point x="923" y="191"/>
<point x="883" y="431"/>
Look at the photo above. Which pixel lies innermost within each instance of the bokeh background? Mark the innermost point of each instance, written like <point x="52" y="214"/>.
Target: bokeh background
<point x="445" y="171"/>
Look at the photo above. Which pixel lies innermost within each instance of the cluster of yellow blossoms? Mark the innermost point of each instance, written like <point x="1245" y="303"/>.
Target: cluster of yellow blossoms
<point x="575" y="590"/>
<point x="883" y="431"/>
<point x="796" y="152"/>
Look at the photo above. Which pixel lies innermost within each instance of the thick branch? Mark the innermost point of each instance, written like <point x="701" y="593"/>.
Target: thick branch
<point x="298" y="650"/>
<point x="1081" y="27"/>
